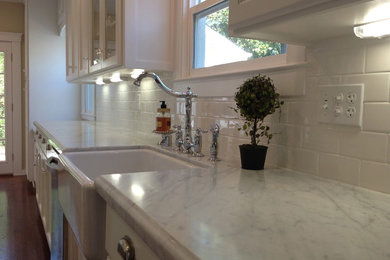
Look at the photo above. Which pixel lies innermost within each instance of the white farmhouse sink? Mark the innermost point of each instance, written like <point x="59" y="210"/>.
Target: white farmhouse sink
<point x="96" y="163"/>
<point x="83" y="208"/>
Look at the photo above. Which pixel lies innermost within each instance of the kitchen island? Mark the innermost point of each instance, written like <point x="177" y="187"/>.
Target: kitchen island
<point x="221" y="212"/>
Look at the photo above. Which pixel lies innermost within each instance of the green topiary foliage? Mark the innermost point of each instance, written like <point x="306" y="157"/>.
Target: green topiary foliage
<point x="255" y="99"/>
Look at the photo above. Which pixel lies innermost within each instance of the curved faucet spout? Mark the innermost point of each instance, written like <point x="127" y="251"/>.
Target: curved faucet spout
<point x="188" y="95"/>
<point x="148" y="74"/>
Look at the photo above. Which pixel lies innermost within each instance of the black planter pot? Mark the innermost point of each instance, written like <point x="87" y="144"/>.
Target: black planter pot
<point x="253" y="157"/>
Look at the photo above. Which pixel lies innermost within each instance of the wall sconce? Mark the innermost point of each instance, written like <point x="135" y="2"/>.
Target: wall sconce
<point x="376" y="29"/>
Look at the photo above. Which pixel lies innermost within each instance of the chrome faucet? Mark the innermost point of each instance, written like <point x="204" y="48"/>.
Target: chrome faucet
<point x="214" y="143"/>
<point x="188" y="95"/>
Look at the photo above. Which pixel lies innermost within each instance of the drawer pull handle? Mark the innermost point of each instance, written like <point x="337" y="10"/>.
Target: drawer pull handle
<point x="126" y="248"/>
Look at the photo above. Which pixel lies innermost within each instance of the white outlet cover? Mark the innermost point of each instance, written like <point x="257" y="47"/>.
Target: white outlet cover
<point x="329" y="106"/>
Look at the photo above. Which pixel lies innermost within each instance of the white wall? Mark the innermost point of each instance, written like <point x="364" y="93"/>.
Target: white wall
<point x="50" y="96"/>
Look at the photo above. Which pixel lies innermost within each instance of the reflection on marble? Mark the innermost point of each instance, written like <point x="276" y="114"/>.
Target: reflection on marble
<point x="227" y="213"/>
<point x="70" y="135"/>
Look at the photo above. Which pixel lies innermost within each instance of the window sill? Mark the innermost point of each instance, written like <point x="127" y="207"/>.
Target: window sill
<point x="233" y="72"/>
<point x="289" y="80"/>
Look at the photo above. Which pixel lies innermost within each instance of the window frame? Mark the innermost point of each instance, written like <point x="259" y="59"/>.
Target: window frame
<point x="295" y="55"/>
<point x="87" y="114"/>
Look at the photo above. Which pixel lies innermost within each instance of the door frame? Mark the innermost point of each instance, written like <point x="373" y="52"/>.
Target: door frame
<point x="15" y="40"/>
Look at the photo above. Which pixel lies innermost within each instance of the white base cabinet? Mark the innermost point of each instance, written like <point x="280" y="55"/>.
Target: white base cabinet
<point x="116" y="229"/>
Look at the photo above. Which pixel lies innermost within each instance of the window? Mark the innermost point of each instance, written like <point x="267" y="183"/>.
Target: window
<point x="88" y="102"/>
<point x="212" y="45"/>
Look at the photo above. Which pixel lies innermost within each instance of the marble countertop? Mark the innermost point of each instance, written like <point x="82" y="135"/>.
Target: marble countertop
<point x="228" y="213"/>
<point x="73" y="135"/>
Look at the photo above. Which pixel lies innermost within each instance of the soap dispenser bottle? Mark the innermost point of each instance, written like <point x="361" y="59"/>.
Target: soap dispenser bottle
<point x="163" y="118"/>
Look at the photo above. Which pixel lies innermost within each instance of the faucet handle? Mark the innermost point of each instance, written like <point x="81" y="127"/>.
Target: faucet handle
<point x="214" y="143"/>
<point x="200" y="130"/>
<point x="198" y="142"/>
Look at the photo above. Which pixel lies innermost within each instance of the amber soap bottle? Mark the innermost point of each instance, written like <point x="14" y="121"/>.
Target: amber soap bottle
<point x="163" y="118"/>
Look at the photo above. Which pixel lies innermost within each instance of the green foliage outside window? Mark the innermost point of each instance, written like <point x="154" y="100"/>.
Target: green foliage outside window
<point x="218" y="21"/>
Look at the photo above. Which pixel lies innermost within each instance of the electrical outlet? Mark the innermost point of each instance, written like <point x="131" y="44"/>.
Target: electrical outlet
<point x="350" y="112"/>
<point x="351" y="97"/>
<point x="341" y="104"/>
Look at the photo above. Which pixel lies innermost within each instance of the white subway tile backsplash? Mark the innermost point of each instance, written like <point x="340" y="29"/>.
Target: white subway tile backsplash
<point x="376" y="117"/>
<point x="312" y="84"/>
<point x="319" y="138"/>
<point x="375" y="176"/>
<point x="339" y="168"/>
<point x="364" y="145"/>
<point x="302" y="113"/>
<point x="289" y="135"/>
<point x="378" y="57"/>
<point x="351" y="155"/>
<point x="376" y="86"/>
<point x="336" y="62"/>
<point x="303" y="160"/>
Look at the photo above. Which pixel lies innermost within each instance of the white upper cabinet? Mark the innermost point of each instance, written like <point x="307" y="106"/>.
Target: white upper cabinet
<point x="72" y="38"/>
<point x="118" y="35"/>
<point x="298" y="21"/>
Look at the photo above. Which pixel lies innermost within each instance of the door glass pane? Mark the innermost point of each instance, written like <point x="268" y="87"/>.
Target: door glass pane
<point x="110" y="29"/>
<point x="2" y="109"/>
<point x="96" y="51"/>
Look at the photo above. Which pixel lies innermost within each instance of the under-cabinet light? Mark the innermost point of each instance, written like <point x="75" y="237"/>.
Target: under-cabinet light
<point x="136" y="72"/>
<point x="116" y="77"/>
<point x="377" y="29"/>
<point x="99" y="81"/>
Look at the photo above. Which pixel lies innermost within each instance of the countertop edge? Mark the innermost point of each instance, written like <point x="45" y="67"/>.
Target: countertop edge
<point x="159" y="240"/>
<point x="50" y="136"/>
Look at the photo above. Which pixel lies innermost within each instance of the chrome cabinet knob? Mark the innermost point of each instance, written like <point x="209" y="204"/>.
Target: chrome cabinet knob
<point x="126" y="248"/>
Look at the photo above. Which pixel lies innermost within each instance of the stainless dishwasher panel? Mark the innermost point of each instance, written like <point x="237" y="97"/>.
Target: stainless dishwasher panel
<point x="56" y="253"/>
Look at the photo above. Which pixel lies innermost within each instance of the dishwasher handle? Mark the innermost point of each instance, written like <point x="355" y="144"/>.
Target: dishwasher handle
<point x="126" y="248"/>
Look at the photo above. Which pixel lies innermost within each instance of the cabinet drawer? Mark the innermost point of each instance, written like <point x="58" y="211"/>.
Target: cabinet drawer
<point x="116" y="229"/>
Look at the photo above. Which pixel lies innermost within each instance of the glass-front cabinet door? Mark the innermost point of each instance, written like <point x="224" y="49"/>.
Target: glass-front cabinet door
<point x="106" y="34"/>
<point x="96" y="45"/>
<point x="112" y="32"/>
<point x="85" y="39"/>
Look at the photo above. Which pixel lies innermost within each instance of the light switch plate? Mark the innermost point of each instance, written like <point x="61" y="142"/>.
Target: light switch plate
<point x="341" y="104"/>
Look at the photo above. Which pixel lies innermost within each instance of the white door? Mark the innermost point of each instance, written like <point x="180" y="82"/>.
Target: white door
<point x="6" y="160"/>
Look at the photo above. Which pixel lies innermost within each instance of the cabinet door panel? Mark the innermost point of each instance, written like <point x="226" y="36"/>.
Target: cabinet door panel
<point x="96" y="31"/>
<point x="112" y="33"/>
<point x="85" y="28"/>
<point x="117" y="228"/>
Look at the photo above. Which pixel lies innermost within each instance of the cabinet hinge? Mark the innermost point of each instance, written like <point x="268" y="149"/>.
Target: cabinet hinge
<point x="12" y="157"/>
<point x="12" y="57"/>
<point x="12" y="107"/>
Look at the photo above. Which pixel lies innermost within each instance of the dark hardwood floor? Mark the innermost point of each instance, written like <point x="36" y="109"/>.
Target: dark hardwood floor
<point x="21" y="230"/>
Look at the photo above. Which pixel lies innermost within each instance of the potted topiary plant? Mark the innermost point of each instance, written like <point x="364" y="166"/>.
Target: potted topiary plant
<point x="256" y="98"/>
